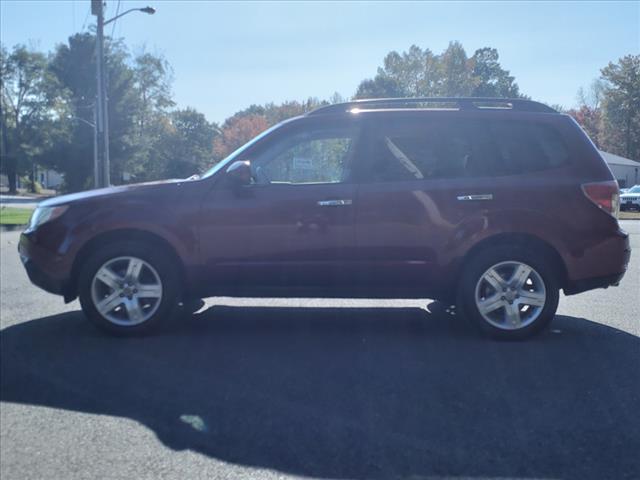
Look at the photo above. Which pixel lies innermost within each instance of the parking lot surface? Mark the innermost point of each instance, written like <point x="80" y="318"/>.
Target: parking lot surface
<point x="339" y="389"/>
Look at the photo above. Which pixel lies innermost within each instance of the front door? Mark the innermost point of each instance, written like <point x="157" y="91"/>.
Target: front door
<point x="293" y="226"/>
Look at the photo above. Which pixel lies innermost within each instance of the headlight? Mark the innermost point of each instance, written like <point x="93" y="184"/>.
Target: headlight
<point x="45" y="214"/>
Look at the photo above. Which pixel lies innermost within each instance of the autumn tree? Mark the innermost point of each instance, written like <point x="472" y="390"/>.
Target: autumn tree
<point x="237" y="131"/>
<point x="246" y="124"/>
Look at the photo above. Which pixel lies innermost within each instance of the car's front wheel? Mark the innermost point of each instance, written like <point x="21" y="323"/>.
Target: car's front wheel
<point x="509" y="292"/>
<point x="128" y="288"/>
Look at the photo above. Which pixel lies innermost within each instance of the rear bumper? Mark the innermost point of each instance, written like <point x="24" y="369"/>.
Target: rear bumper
<point x="605" y="265"/>
<point x="603" y="256"/>
<point x="593" y="283"/>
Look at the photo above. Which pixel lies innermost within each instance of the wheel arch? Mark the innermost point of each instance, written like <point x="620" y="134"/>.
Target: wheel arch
<point x="524" y="240"/>
<point x="120" y="235"/>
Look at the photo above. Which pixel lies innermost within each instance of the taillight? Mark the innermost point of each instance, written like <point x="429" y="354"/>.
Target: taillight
<point x="604" y="194"/>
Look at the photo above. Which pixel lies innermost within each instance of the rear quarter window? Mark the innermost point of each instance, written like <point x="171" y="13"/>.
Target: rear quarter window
<point x="417" y="149"/>
<point x="517" y="147"/>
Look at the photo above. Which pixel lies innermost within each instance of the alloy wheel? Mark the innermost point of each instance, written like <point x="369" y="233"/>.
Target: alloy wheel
<point x="126" y="291"/>
<point x="510" y="295"/>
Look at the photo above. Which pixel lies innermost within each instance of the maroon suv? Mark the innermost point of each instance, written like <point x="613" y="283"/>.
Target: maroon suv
<point x="492" y="204"/>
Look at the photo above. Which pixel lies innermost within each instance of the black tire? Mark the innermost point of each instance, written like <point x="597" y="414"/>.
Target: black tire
<point x="156" y="257"/>
<point x="491" y="256"/>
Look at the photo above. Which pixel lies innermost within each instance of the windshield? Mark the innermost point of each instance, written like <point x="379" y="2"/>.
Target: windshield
<point x="236" y="153"/>
<point x="634" y="189"/>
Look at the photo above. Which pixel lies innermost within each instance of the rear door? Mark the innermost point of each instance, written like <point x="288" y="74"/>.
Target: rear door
<point x="408" y="208"/>
<point x="434" y="184"/>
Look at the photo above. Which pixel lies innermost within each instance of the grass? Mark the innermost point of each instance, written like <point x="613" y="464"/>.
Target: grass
<point x="14" y="216"/>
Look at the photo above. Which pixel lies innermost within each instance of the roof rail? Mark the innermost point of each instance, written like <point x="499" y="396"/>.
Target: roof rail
<point x="460" y="103"/>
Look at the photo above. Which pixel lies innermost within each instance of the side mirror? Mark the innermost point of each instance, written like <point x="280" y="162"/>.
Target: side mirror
<point x="239" y="172"/>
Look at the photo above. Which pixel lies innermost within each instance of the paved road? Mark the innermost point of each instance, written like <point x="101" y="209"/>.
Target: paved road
<point x="333" y="389"/>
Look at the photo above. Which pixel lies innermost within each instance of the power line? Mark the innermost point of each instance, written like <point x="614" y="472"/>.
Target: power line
<point x="113" y="29"/>
<point x="85" y="19"/>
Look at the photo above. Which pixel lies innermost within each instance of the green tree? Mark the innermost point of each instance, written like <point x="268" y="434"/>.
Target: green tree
<point x="185" y="147"/>
<point x="621" y="106"/>
<point x="491" y="80"/>
<point x="74" y="66"/>
<point x="421" y="73"/>
<point x="456" y="74"/>
<point x="29" y="102"/>
<point x="153" y="76"/>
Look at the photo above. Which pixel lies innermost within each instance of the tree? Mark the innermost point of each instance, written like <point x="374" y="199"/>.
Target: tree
<point x="590" y="119"/>
<point x="74" y="65"/>
<point x="421" y="73"/>
<point x="236" y="131"/>
<point x="491" y="80"/>
<point x="621" y="106"/>
<point x="246" y="124"/>
<point x="28" y="103"/>
<point x="153" y="76"/>
<point x="185" y="149"/>
<point x="456" y="74"/>
<point x="381" y="86"/>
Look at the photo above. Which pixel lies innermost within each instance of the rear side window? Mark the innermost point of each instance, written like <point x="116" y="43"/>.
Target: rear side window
<point x="414" y="150"/>
<point x="512" y="148"/>
<point x="423" y="149"/>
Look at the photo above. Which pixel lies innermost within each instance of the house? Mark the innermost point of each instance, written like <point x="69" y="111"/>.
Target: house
<point x="50" y="179"/>
<point x="626" y="171"/>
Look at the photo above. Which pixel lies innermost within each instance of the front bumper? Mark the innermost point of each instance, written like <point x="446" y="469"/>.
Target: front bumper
<point x="44" y="268"/>
<point x="629" y="204"/>
<point x="40" y="279"/>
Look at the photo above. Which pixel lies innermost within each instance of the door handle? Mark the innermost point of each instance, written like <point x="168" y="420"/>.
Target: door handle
<point x="484" y="196"/>
<point x="335" y="203"/>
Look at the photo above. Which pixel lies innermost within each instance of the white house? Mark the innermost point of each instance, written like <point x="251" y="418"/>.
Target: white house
<point x="50" y="179"/>
<point x="626" y="171"/>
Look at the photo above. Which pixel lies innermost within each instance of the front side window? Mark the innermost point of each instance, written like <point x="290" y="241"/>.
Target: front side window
<point x="315" y="156"/>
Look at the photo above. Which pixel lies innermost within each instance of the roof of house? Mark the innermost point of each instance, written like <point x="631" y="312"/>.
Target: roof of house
<point x="612" y="159"/>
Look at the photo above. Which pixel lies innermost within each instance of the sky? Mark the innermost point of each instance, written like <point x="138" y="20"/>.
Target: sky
<point x="229" y="55"/>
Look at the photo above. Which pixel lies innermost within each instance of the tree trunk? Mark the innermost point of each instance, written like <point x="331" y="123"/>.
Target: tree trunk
<point x="10" y="168"/>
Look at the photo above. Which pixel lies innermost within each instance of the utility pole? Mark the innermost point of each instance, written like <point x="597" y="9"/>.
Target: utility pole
<point x="96" y="163"/>
<point x="101" y="160"/>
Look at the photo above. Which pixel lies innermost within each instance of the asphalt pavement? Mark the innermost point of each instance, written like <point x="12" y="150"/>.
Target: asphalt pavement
<point x="311" y="388"/>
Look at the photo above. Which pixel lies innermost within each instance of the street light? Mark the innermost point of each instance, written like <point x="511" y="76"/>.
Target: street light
<point x="147" y="10"/>
<point x="102" y="116"/>
<point x="94" y="127"/>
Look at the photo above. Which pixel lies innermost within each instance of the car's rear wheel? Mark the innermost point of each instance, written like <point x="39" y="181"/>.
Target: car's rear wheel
<point x="509" y="292"/>
<point x="128" y="288"/>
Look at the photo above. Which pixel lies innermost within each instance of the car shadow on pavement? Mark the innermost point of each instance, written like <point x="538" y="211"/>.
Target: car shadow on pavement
<point x="350" y="393"/>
